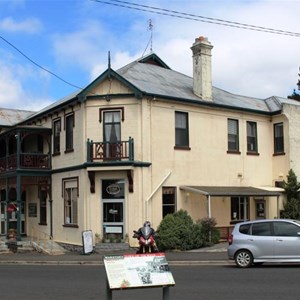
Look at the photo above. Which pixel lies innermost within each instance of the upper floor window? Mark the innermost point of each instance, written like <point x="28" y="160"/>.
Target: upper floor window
<point x="56" y="136"/>
<point x="181" y="130"/>
<point x="278" y="139"/>
<point x="252" y="137"/>
<point x="233" y="135"/>
<point x="70" y="195"/>
<point x="112" y="126"/>
<point x="69" y="127"/>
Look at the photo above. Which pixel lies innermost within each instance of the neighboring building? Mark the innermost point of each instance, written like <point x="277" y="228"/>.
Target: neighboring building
<point x="141" y="142"/>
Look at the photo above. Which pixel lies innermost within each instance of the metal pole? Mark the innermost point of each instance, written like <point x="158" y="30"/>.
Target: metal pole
<point x="108" y="291"/>
<point x="166" y="293"/>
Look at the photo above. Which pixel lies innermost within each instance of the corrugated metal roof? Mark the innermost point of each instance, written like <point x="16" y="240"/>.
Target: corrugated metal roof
<point x="219" y="191"/>
<point x="10" y="117"/>
<point x="159" y="81"/>
<point x="156" y="80"/>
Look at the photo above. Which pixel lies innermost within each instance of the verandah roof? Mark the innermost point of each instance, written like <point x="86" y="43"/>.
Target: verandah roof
<point x="221" y="191"/>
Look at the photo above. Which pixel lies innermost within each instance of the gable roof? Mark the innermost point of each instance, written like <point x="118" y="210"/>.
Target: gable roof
<point x="149" y="75"/>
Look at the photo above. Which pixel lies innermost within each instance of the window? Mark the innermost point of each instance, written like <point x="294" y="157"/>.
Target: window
<point x="169" y="200"/>
<point x="181" y="130"/>
<point x="233" y="135"/>
<point x="69" y="126"/>
<point x="70" y="195"/>
<point x="56" y="136"/>
<point x="278" y="139"/>
<point x="262" y="229"/>
<point x="286" y="229"/>
<point x="251" y="137"/>
<point x="43" y="207"/>
<point x="239" y="209"/>
<point x="245" y="229"/>
<point x="112" y="134"/>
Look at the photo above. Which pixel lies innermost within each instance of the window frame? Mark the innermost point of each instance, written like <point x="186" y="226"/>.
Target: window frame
<point x="182" y="133"/>
<point x="251" y="128"/>
<point x="235" y="136"/>
<point x="278" y="140"/>
<point x="168" y="190"/>
<point x="43" y="195"/>
<point x="56" y="136"/>
<point x="69" y="132"/>
<point x="70" y="209"/>
<point x="242" y="200"/>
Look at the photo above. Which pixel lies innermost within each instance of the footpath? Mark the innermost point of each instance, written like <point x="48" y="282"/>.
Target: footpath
<point x="216" y="254"/>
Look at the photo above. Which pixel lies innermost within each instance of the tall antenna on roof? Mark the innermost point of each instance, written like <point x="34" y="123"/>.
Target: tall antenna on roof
<point x="150" y="27"/>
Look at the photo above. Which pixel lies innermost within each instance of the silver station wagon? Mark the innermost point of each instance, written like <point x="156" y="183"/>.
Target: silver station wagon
<point x="260" y="241"/>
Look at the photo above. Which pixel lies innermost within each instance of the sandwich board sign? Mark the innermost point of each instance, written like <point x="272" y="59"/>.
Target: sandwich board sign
<point x="87" y="241"/>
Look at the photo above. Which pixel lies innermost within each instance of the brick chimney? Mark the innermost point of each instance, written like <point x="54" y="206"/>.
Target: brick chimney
<point x="202" y="82"/>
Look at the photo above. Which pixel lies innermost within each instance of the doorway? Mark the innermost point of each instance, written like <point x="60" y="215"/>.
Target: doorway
<point x="113" y="209"/>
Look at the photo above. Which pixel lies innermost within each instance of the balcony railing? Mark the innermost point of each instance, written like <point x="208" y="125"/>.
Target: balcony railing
<point x="106" y="151"/>
<point x="24" y="161"/>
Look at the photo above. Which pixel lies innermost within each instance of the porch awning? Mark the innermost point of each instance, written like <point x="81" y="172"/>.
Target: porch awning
<point x="221" y="191"/>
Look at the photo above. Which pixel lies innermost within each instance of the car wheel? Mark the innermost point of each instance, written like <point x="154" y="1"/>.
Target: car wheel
<point x="244" y="259"/>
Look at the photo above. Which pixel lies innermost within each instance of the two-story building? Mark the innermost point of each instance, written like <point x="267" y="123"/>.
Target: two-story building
<point x="141" y="142"/>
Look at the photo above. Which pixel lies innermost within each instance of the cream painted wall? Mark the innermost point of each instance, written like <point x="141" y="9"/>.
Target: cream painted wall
<point x="152" y="125"/>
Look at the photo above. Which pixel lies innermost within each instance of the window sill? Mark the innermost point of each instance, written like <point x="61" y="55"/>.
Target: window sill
<point x="253" y="153"/>
<point x="56" y="154"/>
<point x="43" y="224"/>
<point x="233" y="152"/>
<point x="182" y="148"/>
<point x="279" y="153"/>
<point x="71" y="225"/>
<point x="69" y="150"/>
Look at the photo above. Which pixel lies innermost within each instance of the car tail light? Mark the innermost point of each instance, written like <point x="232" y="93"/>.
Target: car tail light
<point x="230" y="239"/>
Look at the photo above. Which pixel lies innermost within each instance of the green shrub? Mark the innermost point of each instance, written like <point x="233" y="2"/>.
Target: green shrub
<point x="209" y="234"/>
<point x="178" y="231"/>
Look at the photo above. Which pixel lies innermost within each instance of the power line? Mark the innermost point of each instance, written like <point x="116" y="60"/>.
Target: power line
<point x="187" y="16"/>
<point x="36" y="64"/>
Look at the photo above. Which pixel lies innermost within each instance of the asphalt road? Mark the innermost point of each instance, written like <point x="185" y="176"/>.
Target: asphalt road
<point x="82" y="282"/>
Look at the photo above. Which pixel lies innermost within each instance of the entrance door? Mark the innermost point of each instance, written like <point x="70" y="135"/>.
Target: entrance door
<point x="3" y="218"/>
<point x="113" y="209"/>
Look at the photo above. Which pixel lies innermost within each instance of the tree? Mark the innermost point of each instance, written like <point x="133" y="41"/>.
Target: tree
<point x="295" y="95"/>
<point x="292" y="189"/>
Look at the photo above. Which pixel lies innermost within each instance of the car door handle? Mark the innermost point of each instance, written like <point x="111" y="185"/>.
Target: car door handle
<point x="279" y="240"/>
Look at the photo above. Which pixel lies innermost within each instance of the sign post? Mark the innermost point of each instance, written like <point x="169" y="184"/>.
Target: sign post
<point x="138" y="271"/>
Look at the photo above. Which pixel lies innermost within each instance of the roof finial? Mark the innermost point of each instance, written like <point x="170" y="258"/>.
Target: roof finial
<point x="109" y="59"/>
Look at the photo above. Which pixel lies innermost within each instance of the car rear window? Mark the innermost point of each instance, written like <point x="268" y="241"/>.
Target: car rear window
<point x="245" y="228"/>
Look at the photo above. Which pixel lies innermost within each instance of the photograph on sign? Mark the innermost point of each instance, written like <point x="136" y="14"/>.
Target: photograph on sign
<point x="138" y="270"/>
<point x="87" y="241"/>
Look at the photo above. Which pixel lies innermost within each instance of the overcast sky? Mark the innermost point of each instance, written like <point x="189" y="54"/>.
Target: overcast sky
<point x="72" y="38"/>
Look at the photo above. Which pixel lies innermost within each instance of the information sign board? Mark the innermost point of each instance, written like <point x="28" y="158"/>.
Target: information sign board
<point x="138" y="270"/>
